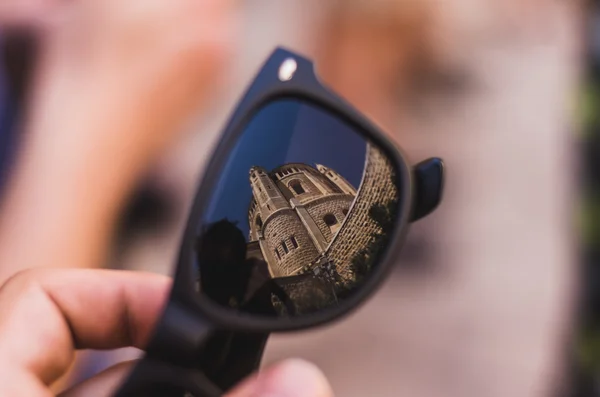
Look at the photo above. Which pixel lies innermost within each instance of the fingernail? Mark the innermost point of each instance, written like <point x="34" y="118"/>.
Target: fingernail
<point x="291" y="378"/>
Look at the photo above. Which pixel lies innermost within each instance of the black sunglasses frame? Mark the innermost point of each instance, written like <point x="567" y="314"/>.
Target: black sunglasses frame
<point x="304" y="85"/>
<point x="190" y="319"/>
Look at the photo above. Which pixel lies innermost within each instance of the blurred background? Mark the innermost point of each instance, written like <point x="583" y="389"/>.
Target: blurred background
<point x="482" y="301"/>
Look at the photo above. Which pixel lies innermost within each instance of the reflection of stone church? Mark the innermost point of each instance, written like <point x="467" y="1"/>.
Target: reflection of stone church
<point x="300" y="213"/>
<point x="295" y="213"/>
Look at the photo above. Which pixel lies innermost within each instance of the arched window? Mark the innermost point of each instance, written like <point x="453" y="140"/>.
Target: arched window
<point x="345" y="211"/>
<point x="294" y="242"/>
<point x="296" y="186"/>
<point x="329" y="220"/>
<point x="259" y="222"/>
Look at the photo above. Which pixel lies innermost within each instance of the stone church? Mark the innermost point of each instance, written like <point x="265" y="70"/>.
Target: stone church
<point x="300" y="214"/>
<point x="295" y="212"/>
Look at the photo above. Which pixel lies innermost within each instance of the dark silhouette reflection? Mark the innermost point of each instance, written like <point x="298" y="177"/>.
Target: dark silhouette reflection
<point x="231" y="279"/>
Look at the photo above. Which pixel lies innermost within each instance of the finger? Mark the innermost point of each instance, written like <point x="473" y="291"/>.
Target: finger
<point x="103" y="384"/>
<point x="13" y="384"/>
<point x="74" y="308"/>
<point x="291" y="378"/>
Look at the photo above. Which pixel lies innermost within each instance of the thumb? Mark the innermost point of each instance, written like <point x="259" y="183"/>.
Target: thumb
<point x="291" y="378"/>
<point x="103" y="384"/>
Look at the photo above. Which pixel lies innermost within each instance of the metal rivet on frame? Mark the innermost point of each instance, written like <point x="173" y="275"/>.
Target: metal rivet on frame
<point x="287" y="69"/>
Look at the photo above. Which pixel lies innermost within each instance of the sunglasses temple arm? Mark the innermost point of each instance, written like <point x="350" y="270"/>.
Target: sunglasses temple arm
<point x="172" y="357"/>
<point x="429" y="178"/>
<point x="231" y="356"/>
<point x="152" y="378"/>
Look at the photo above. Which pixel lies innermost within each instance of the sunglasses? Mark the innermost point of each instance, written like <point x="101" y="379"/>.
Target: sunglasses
<point x="299" y="218"/>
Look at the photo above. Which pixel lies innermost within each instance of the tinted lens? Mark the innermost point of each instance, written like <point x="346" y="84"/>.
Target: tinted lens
<point x="299" y="217"/>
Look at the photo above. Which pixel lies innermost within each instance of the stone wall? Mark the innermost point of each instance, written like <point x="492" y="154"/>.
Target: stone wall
<point x="358" y="228"/>
<point x="311" y="191"/>
<point x="281" y="227"/>
<point x="329" y="205"/>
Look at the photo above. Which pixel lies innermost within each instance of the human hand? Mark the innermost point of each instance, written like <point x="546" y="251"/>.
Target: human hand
<point x="46" y="314"/>
<point x="116" y="83"/>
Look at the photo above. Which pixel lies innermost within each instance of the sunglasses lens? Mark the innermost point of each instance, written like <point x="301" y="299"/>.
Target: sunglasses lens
<point x="299" y="217"/>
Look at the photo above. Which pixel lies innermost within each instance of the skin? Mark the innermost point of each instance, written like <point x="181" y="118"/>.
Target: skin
<point x="115" y="86"/>
<point x="59" y="301"/>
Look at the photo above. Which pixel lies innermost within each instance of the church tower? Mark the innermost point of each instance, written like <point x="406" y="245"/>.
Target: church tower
<point x="295" y="213"/>
<point x="337" y="179"/>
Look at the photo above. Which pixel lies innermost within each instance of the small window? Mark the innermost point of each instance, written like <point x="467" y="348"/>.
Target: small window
<point x="285" y="247"/>
<point x="329" y="220"/>
<point x="345" y="211"/>
<point x="259" y="222"/>
<point x="277" y="255"/>
<point x="259" y="189"/>
<point x="269" y="207"/>
<point x="294" y="242"/>
<point x="297" y="187"/>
